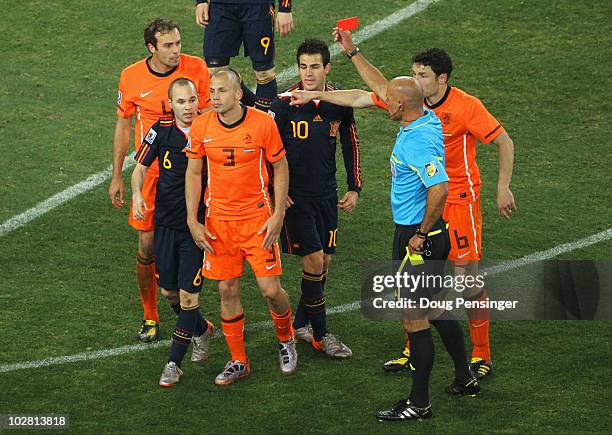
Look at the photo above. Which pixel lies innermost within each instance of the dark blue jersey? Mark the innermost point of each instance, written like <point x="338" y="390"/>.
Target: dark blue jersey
<point x="166" y="142"/>
<point x="309" y="134"/>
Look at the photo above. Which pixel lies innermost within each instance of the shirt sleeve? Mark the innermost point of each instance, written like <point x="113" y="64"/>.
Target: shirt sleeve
<point x="481" y="123"/>
<point x="149" y="149"/>
<point x="350" y="151"/>
<point x="195" y="146"/>
<point x="284" y="5"/>
<point x="428" y="164"/>
<point x="273" y="144"/>
<point x="125" y="102"/>
<point x="378" y="102"/>
<point x="278" y="112"/>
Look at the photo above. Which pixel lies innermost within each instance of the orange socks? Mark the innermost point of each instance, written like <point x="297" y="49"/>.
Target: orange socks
<point x="147" y="286"/>
<point x="233" y="329"/>
<point x="479" y="330"/>
<point x="282" y="324"/>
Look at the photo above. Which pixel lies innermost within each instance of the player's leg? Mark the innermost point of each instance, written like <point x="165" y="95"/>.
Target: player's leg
<point x="299" y="237"/>
<point x="145" y="263"/>
<point x="258" y="25"/>
<point x="465" y="228"/>
<point x="280" y="311"/>
<point x="190" y="282"/>
<point x="226" y="265"/>
<point x="326" y="219"/>
<point x="222" y="40"/>
<point x="267" y="268"/>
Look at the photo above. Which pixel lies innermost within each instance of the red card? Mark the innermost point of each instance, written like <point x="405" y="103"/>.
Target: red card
<point x="348" y="23"/>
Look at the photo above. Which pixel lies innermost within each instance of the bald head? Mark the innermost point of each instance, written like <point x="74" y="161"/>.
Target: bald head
<point x="229" y="77"/>
<point x="407" y="91"/>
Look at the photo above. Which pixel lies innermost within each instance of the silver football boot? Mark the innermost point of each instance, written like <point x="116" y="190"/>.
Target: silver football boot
<point x="333" y="347"/>
<point x="199" y="345"/>
<point x="304" y="333"/>
<point x="287" y="356"/>
<point x="171" y="375"/>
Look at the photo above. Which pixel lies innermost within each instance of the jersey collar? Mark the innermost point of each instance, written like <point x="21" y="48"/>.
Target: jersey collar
<point x="439" y="103"/>
<point x="155" y="73"/>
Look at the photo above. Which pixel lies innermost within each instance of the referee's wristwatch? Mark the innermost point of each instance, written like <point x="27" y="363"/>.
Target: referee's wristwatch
<point x="420" y="234"/>
<point x="353" y="52"/>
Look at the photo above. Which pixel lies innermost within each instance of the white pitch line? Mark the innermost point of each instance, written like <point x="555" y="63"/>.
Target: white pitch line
<point x="284" y="76"/>
<point x="340" y="309"/>
<point x="60" y="198"/>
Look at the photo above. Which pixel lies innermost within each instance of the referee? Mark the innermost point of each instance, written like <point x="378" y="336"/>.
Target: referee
<point x="418" y="193"/>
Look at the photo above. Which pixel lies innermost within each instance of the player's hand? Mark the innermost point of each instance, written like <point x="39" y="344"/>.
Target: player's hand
<point x="138" y="206"/>
<point x="272" y="228"/>
<point x="289" y="202"/>
<point x="505" y="202"/>
<point x="200" y="234"/>
<point x="116" y="192"/>
<point x="349" y="201"/>
<point x="415" y="244"/>
<point x="201" y="14"/>
<point x="284" y="23"/>
<point x="299" y="98"/>
<point x="344" y="38"/>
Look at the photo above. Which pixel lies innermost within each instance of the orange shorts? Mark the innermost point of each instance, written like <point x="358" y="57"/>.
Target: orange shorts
<point x="149" y="187"/>
<point x="238" y="241"/>
<point x="465" y="231"/>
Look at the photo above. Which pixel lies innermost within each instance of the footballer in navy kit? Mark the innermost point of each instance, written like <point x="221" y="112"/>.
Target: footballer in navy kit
<point x="230" y="24"/>
<point x="178" y="259"/>
<point x="309" y="134"/>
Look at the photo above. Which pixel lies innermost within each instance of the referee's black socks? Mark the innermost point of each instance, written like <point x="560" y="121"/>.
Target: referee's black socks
<point x="422" y="359"/>
<point x="453" y="338"/>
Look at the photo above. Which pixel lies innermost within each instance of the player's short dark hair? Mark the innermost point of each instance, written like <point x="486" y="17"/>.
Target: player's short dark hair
<point x="436" y="58"/>
<point x="181" y="81"/>
<point x="313" y="46"/>
<point x="158" y="25"/>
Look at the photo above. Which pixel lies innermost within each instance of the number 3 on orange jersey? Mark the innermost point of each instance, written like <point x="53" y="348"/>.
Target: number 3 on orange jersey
<point x="265" y="43"/>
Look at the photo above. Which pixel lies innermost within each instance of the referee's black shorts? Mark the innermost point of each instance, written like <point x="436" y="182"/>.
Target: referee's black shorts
<point x="436" y="249"/>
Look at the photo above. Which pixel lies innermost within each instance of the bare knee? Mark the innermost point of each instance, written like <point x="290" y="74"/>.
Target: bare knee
<point x="229" y="289"/>
<point x="146" y="244"/>
<point x="313" y="263"/>
<point x="265" y="76"/>
<point x="171" y="295"/>
<point x="189" y="300"/>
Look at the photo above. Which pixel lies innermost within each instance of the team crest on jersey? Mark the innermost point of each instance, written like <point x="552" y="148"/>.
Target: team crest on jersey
<point x="431" y="169"/>
<point x="333" y="128"/>
<point x="150" y="137"/>
<point x="119" y="98"/>
<point x="272" y="114"/>
<point x="445" y="118"/>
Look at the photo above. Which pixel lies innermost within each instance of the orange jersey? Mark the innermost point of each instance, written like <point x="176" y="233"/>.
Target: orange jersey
<point x="144" y="92"/>
<point x="237" y="156"/>
<point x="464" y="120"/>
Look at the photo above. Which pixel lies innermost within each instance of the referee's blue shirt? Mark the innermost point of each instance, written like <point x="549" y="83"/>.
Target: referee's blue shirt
<point x="417" y="163"/>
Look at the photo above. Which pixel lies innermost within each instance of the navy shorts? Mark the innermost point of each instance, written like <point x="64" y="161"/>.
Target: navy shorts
<point x="311" y="225"/>
<point x="231" y="25"/>
<point x="178" y="260"/>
